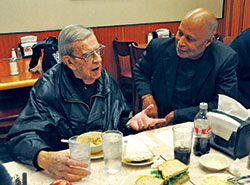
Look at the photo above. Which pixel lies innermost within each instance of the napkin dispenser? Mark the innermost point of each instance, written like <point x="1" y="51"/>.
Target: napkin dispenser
<point x="230" y="134"/>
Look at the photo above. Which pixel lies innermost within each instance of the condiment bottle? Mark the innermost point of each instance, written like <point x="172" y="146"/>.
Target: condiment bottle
<point x="13" y="66"/>
<point x="13" y="53"/>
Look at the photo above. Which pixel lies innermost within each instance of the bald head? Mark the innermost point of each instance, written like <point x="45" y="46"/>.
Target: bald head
<point x="204" y="17"/>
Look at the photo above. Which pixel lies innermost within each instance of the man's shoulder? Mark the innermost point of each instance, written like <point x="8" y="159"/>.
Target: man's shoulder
<point x="221" y="49"/>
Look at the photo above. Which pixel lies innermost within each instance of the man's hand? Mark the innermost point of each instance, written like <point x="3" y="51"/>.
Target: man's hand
<point x="148" y="100"/>
<point x="169" y="121"/>
<point x="141" y="120"/>
<point x="61" y="166"/>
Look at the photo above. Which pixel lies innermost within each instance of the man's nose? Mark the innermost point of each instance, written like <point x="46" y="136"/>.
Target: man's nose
<point x="97" y="57"/>
<point x="181" y="41"/>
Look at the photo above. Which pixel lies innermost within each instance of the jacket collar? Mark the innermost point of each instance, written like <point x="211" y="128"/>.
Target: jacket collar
<point x="171" y="63"/>
<point x="67" y="89"/>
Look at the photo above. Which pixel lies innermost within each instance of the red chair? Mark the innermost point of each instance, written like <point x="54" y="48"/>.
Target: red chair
<point x="227" y="39"/>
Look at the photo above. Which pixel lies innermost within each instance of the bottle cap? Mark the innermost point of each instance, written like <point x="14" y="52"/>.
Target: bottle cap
<point x="203" y="105"/>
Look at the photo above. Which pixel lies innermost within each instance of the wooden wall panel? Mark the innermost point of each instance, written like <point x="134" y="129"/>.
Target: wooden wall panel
<point x="246" y="19"/>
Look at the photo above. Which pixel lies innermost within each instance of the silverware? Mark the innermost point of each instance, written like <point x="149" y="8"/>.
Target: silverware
<point x="64" y="140"/>
<point x="235" y="180"/>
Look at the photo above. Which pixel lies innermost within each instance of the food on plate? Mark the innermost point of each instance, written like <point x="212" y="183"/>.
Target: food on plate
<point x="96" y="141"/>
<point x="219" y="179"/>
<point x="136" y="151"/>
<point x="172" y="171"/>
<point x="149" y="180"/>
<point x="82" y="139"/>
<point x="61" y="182"/>
<point x="95" y="138"/>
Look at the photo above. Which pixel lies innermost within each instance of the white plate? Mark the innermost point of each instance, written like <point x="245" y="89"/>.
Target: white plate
<point x="138" y="163"/>
<point x="131" y="178"/>
<point x="214" y="162"/>
<point x="216" y="177"/>
<point x="97" y="155"/>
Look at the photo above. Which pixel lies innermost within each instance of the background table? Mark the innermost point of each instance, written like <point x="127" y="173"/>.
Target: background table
<point x="25" y="77"/>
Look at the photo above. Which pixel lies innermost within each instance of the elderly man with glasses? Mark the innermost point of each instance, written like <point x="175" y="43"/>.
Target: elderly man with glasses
<point x="73" y="97"/>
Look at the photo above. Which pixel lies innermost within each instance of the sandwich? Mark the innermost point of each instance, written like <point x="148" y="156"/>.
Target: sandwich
<point x="173" y="172"/>
<point x="170" y="172"/>
<point x="149" y="180"/>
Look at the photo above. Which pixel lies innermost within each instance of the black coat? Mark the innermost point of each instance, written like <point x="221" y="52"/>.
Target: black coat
<point x="155" y="73"/>
<point x="241" y="44"/>
<point x="55" y="111"/>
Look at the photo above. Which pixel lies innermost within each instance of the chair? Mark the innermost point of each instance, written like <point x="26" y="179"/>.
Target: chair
<point x="136" y="53"/>
<point x="123" y="59"/>
<point x="227" y="39"/>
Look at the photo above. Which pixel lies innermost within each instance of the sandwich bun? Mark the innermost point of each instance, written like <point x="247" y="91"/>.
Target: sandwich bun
<point x="149" y="180"/>
<point x="171" y="168"/>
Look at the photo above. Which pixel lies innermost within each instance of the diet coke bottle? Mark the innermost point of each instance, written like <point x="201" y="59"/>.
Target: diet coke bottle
<point x="202" y="131"/>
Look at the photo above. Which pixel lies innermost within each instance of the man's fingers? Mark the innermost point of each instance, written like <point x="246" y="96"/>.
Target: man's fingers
<point x="156" y="121"/>
<point x="72" y="162"/>
<point x="72" y="177"/>
<point x="148" y="109"/>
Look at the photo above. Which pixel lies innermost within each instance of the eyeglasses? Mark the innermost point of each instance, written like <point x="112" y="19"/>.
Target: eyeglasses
<point x="87" y="57"/>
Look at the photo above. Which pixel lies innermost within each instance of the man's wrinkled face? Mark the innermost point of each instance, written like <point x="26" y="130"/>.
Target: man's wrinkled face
<point x="191" y="40"/>
<point x="88" y="70"/>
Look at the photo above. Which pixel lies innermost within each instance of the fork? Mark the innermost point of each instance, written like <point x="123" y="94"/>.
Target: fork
<point x="236" y="179"/>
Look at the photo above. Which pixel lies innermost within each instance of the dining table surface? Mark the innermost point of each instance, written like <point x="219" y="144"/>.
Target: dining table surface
<point x="160" y="139"/>
<point x="25" y="78"/>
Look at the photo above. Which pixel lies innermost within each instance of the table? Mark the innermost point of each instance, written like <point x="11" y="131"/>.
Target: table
<point x="161" y="137"/>
<point x="25" y="77"/>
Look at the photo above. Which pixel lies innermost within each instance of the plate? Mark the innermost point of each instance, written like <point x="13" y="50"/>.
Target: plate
<point x="143" y="163"/>
<point x="131" y="178"/>
<point x="214" y="162"/>
<point x="219" y="178"/>
<point x="97" y="155"/>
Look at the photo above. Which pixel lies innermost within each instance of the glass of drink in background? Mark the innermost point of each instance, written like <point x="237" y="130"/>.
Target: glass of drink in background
<point x="112" y="149"/>
<point x="80" y="150"/>
<point x="182" y="137"/>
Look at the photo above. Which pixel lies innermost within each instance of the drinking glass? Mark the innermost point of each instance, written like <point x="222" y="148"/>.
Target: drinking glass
<point x="183" y="137"/>
<point x="112" y="149"/>
<point x="80" y="150"/>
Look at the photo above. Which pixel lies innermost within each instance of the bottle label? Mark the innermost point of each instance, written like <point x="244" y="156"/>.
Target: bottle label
<point x="205" y="131"/>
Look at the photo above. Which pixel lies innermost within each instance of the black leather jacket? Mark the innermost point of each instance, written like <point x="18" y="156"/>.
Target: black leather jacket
<point x="55" y="111"/>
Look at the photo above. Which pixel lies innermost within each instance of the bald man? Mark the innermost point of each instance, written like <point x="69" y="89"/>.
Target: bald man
<point x="176" y="74"/>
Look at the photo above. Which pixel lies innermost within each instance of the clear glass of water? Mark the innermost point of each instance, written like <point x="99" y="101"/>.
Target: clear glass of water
<point x="80" y="150"/>
<point x="112" y="149"/>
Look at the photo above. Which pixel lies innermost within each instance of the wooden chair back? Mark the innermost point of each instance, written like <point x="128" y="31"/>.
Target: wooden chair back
<point x="136" y="53"/>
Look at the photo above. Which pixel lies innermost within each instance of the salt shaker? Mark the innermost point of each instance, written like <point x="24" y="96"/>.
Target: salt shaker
<point x="13" y="53"/>
<point x="13" y="66"/>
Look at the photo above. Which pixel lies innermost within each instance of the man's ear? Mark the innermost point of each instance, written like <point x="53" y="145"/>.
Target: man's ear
<point x="210" y="41"/>
<point x="67" y="60"/>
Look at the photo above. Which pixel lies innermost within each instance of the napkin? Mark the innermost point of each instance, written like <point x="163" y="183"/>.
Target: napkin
<point x="137" y="150"/>
<point x="232" y="107"/>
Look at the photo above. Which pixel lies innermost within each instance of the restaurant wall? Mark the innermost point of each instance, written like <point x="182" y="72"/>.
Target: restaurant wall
<point x="105" y="36"/>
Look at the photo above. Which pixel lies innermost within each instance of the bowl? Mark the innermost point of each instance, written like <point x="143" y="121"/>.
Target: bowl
<point x="214" y="162"/>
<point x="96" y="141"/>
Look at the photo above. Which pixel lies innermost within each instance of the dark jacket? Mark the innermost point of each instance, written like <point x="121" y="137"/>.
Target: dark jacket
<point x="215" y="73"/>
<point x="241" y="44"/>
<point x="55" y="111"/>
